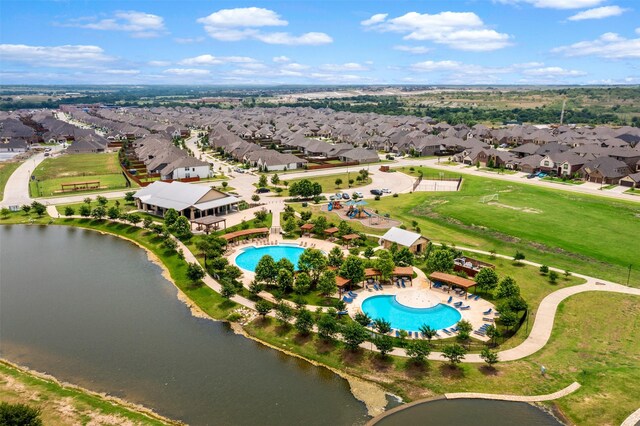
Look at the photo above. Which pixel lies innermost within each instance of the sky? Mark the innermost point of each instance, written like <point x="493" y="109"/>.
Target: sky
<point x="320" y="42"/>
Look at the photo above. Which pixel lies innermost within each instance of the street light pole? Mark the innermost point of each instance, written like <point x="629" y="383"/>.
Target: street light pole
<point x="629" y="275"/>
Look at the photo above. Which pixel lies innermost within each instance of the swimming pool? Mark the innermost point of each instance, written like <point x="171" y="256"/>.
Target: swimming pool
<point x="249" y="257"/>
<point x="407" y="318"/>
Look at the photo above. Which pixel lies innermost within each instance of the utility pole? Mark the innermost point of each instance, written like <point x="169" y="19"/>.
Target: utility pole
<point x="564" y="104"/>
<point x="629" y="275"/>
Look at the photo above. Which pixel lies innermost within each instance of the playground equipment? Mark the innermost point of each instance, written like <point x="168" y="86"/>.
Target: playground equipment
<point x="334" y="205"/>
<point x="356" y="210"/>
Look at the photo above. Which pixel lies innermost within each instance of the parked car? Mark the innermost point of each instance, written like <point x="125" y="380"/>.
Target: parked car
<point x="263" y="190"/>
<point x="332" y="197"/>
<point x="345" y="196"/>
<point x="386" y="190"/>
<point x="532" y="175"/>
<point x="376" y="192"/>
<point x="239" y="170"/>
<point x="357" y="194"/>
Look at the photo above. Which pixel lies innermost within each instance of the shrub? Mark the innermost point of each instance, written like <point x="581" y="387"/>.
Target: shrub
<point x="19" y="414"/>
<point x="395" y="195"/>
<point x="234" y="317"/>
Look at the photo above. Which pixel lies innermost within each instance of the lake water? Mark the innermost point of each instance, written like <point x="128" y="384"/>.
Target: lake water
<point x="91" y="310"/>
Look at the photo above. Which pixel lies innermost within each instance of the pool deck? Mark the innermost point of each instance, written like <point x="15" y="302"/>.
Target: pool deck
<point x="421" y="296"/>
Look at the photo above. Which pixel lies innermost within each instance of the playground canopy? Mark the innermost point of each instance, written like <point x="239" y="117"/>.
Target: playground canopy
<point x="452" y="280"/>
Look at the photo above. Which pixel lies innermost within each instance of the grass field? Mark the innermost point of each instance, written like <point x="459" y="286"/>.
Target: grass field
<point x="53" y="172"/>
<point x="6" y="169"/>
<point x="581" y="233"/>
<point x="328" y="182"/>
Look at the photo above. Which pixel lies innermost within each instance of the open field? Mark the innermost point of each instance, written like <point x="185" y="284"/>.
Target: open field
<point x="6" y="169"/>
<point x="53" y="172"/>
<point x="580" y="233"/>
<point x="328" y="182"/>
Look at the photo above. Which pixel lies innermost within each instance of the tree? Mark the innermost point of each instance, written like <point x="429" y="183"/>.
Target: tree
<point x="454" y="353"/>
<point x="403" y="257"/>
<point x="170" y="216"/>
<point x="486" y="279"/>
<point x="335" y="257"/>
<point x="283" y="312"/>
<point x="305" y="215"/>
<point x="464" y="330"/>
<point x="508" y="288"/>
<point x="290" y="225"/>
<point x="384" y="344"/>
<point x="327" y="326"/>
<point x="327" y="283"/>
<point x="354" y="334"/>
<point x="19" y="415"/>
<point x="508" y="318"/>
<point x="518" y="257"/>
<point x="303" y="283"/>
<point x="5" y="212"/>
<point x="418" y="350"/>
<point x="305" y="188"/>
<point x="260" y="215"/>
<point x="368" y="252"/>
<point x="26" y="208"/>
<point x="492" y="333"/>
<point x="313" y="262"/>
<point x="262" y="182"/>
<point x="102" y="200"/>
<point x="87" y="200"/>
<point x="133" y="218"/>
<point x="128" y="197"/>
<point x="181" y="228"/>
<point x="382" y="326"/>
<point x="147" y="222"/>
<point x="98" y="213"/>
<point x="428" y="331"/>
<point x="113" y="212"/>
<point x="320" y="224"/>
<point x="266" y="270"/>
<point x="39" y="208"/>
<point x="304" y="321"/>
<point x="69" y="211"/>
<point x="285" y="263"/>
<point x="194" y="273"/>
<point x="489" y="356"/>
<point x="362" y="318"/>
<point x="285" y="280"/>
<point x="553" y="277"/>
<point x="85" y="210"/>
<point x="232" y="272"/>
<point x="228" y="290"/>
<point x="338" y="182"/>
<point x="385" y="264"/>
<point x="352" y="269"/>
<point x="440" y="260"/>
<point x="255" y="198"/>
<point x="544" y="269"/>
<point x="275" y="179"/>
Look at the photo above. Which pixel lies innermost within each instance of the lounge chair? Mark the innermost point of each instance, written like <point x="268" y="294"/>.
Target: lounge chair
<point x="487" y="319"/>
<point x="380" y="285"/>
<point x="454" y="329"/>
<point x="487" y="312"/>
<point x="464" y="308"/>
<point x="342" y="313"/>
<point x="398" y="284"/>
<point x="397" y="333"/>
<point x="402" y="283"/>
<point x="457" y="304"/>
<point x="346" y="299"/>
<point x="479" y="333"/>
<point x="375" y="287"/>
<point x="409" y="334"/>
<point x="477" y="297"/>
<point x="446" y="331"/>
<point x="352" y="294"/>
<point x="450" y="299"/>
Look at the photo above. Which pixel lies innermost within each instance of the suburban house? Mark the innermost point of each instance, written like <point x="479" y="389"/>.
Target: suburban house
<point x="361" y="155"/>
<point x="189" y="200"/>
<point x="605" y="170"/>
<point x="416" y="243"/>
<point x="632" y="181"/>
<point x="13" y="145"/>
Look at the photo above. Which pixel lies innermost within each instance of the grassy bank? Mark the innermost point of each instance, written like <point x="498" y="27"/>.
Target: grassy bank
<point x="6" y="169"/>
<point x="64" y="404"/>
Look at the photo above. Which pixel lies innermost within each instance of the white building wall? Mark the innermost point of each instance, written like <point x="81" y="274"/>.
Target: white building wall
<point x="200" y="171"/>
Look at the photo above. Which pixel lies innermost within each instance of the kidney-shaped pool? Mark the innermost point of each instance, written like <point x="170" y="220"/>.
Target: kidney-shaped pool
<point x="250" y="256"/>
<point x="407" y="318"/>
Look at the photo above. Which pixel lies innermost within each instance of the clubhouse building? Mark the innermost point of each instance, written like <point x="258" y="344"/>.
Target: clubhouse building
<point x="191" y="201"/>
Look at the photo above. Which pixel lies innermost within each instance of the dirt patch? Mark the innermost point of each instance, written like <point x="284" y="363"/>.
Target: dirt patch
<point x="372" y="396"/>
<point x="520" y="209"/>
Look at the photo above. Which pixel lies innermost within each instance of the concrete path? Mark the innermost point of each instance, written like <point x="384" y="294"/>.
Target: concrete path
<point x="633" y="419"/>
<point x="520" y="398"/>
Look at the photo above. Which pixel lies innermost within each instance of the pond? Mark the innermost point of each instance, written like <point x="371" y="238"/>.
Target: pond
<point x="90" y="309"/>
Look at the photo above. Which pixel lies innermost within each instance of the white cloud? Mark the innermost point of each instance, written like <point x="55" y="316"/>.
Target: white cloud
<point x="67" y="56"/>
<point x="159" y="63"/>
<point x="280" y="59"/>
<point x="638" y="30"/>
<point x="551" y="72"/>
<point x="375" y="19"/>
<point x="458" y="30"/>
<point x="608" y="45"/>
<point x="416" y="50"/>
<point x="336" y="78"/>
<point x="186" y="71"/>
<point x="349" y="66"/>
<point x="308" y="39"/>
<point x="188" y="40"/>
<point x="294" y="66"/>
<point x="428" y="66"/>
<point x="598" y="13"/>
<point x="138" y="24"/>
<point x="244" y="23"/>
<point x="556" y="4"/>
<point x="204" y="60"/>
<point x="122" y="72"/>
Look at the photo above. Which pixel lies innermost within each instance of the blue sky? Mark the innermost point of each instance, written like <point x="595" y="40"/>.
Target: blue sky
<point x="320" y="42"/>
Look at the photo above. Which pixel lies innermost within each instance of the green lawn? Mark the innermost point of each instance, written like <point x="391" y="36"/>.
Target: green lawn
<point x="581" y="233"/>
<point x="6" y="169"/>
<point x="328" y="182"/>
<point x="70" y="168"/>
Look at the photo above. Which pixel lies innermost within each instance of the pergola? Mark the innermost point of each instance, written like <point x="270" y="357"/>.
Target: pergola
<point x="243" y="233"/>
<point x="452" y="280"/>
<point x="403" y="271"/>
<point x="330" y="232"/>
<point x="342" y="283"/>
<point x="79" y="186"/>
<point x="208" y="222"/>
<point x="306" y="228"/>
<point x="350" y="237"/>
